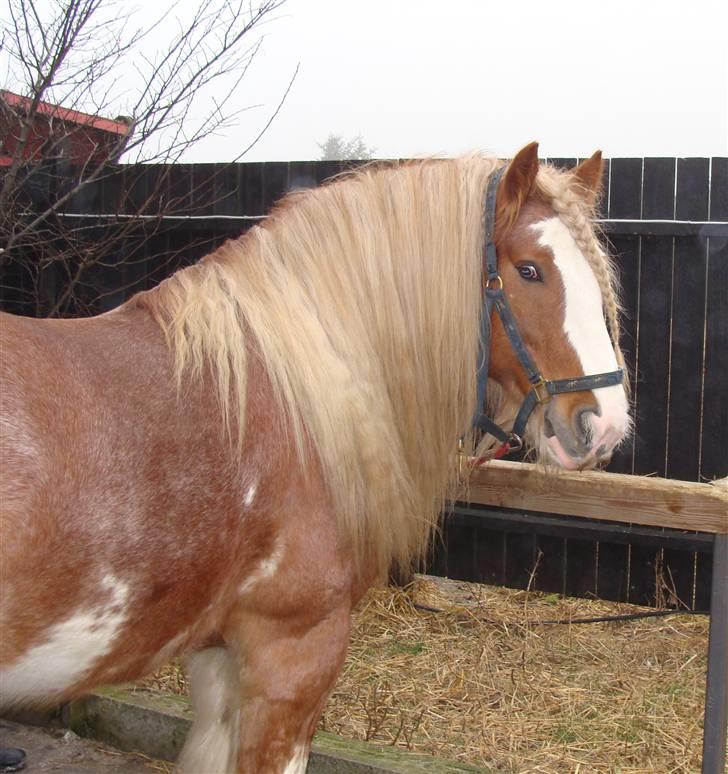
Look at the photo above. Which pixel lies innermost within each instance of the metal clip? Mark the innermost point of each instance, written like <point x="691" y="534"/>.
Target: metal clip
<point x="515" y="443"/>
<point x="540" y="390"/>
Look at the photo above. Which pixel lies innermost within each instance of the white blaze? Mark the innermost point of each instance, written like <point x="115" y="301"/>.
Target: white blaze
<point x="584" y="322"/>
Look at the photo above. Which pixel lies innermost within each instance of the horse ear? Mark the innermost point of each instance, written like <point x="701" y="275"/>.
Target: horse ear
<point x="516" y="185"/>
<point x="589" y="176"/>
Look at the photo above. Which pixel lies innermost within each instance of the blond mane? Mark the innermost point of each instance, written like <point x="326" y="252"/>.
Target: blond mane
<point x="363" y="301"/>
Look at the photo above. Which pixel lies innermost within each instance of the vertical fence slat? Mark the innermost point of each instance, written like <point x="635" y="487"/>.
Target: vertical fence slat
<point x="677" y="573"/>
<point x="552" y="563"/>
<point x="625" y="193"/>
<point x="203" y="188"/>
<point x="714" y="452"/>
<point x="652" y="377"/>
<point x="275" y="182"/>
<point x="683" y="442"/>
<point x="226" y="200"/>
<point x="692" y="189"/>
<point x="603" y="205"/>
<point x="658" y="194"/>
<point x="626" y="250"/>
<point x="327" y="169"/>
<point x="250" y="183"/>
<point x="109" y="191"/>
<point x="612" y="571"/>
<point x="581" y="578"/>
<point x="460" y="552"/>
<point x="520" y="559"/>
<point x="719" y="189"/>
<point x="180" y="189"/>
<point x="436" y="563"/>
<point x="641" y="590"/>
<point x="489" y="559"/>
<point x="129" y="190"/>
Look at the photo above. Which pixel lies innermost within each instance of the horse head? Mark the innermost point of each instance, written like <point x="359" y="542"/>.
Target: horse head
<point x="558" y="284"/>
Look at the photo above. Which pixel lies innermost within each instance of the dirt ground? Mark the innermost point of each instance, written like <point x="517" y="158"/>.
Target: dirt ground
<point x="59" y="750"/>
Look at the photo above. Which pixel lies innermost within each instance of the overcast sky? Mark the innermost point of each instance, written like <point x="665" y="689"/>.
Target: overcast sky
<point x="428" y="77"/>
<point x="632" y="77"/>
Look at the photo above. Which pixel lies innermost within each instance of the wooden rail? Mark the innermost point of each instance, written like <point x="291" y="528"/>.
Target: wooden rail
<point x="657" y="502"/>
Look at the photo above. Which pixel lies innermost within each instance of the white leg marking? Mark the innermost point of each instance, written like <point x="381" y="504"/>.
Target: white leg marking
<point x="297" y="764"/>
<point x="266" y="569"/>
<point x="212" y="743"/>
<point x="70" y="650"/>
<point x="584" y="322"/>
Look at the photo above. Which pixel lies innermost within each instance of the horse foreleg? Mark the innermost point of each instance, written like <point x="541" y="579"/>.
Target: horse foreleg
<point x="289" y="670"/>
<point x="257" y="702"/>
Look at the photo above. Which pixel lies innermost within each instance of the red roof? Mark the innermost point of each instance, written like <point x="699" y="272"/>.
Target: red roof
<point x="66" y="115"/>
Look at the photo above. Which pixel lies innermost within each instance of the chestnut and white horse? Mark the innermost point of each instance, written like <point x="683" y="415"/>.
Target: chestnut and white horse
<point x="219" y="468"/>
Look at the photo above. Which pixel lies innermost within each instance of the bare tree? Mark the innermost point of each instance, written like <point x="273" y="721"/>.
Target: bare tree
<point x="171" y="83"/>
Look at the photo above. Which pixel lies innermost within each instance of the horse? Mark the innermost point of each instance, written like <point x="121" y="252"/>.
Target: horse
<point x="219" y="468"/>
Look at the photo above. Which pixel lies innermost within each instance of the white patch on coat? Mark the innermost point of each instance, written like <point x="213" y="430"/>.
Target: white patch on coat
<point x="266" y="569"/>
<point x="585" y="327"/>
<point x="250" y="495"/>
<point x="297" y="764"/>
<point x="70" y="651"/>
<point x="212" y="742"/>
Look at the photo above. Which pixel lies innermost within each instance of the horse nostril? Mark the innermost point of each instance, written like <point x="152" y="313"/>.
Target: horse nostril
<point x="585" y="427"/>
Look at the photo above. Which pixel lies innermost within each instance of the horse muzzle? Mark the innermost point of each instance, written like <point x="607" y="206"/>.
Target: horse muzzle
<point x="582" y="438"/>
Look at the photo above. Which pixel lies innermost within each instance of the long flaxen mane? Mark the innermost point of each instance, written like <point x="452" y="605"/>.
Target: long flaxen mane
<point x="362" y="298"/>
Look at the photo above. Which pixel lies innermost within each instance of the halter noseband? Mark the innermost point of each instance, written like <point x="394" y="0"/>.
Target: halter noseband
<point x="542" y="389"/>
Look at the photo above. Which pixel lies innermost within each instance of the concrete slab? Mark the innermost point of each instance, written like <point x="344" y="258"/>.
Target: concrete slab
<point x="156" y="724"/>
<point x="152" y="726"/>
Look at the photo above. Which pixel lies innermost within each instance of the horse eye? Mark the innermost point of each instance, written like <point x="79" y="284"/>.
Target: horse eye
<point x="529" y="272"/>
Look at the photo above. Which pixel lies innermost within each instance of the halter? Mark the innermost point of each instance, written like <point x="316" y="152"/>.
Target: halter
<point x="541" y="388"/>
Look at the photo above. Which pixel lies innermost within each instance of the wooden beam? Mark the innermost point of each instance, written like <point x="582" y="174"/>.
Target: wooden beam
<point x="658" y="502"/>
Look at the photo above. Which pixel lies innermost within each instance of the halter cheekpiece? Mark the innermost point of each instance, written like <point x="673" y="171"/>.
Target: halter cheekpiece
<point x="541" y="388"/>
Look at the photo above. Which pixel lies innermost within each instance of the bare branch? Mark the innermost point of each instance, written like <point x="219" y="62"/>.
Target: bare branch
<point x="89" y="57"/>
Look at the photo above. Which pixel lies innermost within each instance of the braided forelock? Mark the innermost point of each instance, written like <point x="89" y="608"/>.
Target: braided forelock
<point x="578" y="216"/>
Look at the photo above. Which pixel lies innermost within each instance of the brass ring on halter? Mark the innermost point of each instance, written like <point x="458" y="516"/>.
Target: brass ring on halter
<point x="488" y="284"/>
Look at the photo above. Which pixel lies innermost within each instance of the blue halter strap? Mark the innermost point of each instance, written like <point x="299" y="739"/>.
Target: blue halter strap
<point x="541" y="389"/>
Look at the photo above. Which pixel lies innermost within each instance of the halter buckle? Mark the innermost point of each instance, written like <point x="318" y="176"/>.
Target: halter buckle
<point x="493" y="283"/>
<point x="540" y="390"/>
